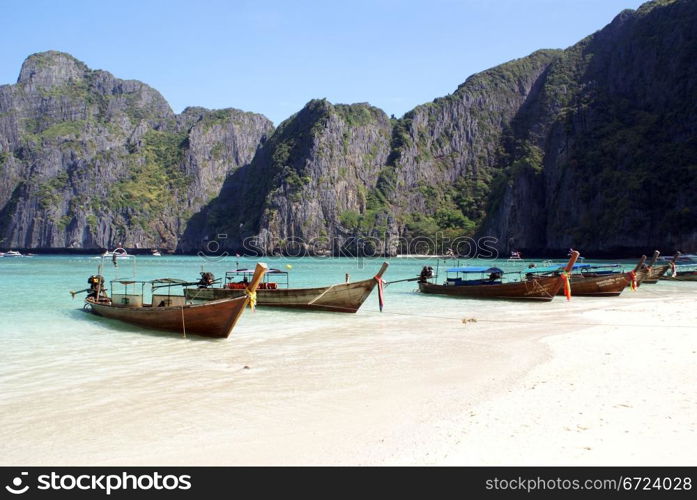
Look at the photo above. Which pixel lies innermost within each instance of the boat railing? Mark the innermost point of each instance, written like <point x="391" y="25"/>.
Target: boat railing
<point x="132" y="293"/>
<point x="274" y="278"/>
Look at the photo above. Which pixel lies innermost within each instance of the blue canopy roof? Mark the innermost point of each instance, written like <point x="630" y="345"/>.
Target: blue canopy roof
<point x="474" y="270"/>
<point x="548" y="269"/>
<point x="551" y="269"/>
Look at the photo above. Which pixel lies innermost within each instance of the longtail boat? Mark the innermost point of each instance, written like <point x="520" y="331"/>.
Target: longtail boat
<point x="653" y="271"/>
<point x="680" y="272"/>
<point x="681" y="268"/>
<point x="657" y="270"/>
<point x="169" y="312"/>
<point x="538" y="284"/>
<point x="340" y="297"/>
<point x="598" y="280"/>
<point x="636" y="276"/>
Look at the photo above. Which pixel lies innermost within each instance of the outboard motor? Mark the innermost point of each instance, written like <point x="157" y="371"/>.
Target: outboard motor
<point x="426" y="274"/>
<point x="207" y="279"/>
<point x="96" y="283"/>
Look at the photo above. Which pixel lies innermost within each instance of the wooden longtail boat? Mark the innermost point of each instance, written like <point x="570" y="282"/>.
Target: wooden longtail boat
<point x="652" y="271"/>
<point x="598" y="281"/>
<point x="636" y="276"/>
<point x="172" y="312"/>
<point x="655" y="273"/>
<point x="680" y="273"/>
<point x="537" y="284"/>
<point x="682" y="276"/>
<point x="340" y="297"/>
<point x="681" y="268"/>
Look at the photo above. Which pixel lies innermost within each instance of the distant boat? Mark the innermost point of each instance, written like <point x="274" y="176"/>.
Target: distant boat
<point x="339" y="297"/>
<point x="13" y="253"/>
<point x="173" y="313"/>
<point x="156" y="253"/>
<point x="540" y="284"/>
<point x="119" y="253"/>
<point x="515" y="255"/>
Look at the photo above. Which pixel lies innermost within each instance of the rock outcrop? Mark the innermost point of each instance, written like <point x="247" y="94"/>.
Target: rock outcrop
<point x="92" y="161"/>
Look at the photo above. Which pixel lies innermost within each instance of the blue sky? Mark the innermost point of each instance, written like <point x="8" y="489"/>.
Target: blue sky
<point x="272" y="57"/>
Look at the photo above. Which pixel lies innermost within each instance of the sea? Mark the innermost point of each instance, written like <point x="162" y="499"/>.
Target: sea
<point x="83" y="390"/>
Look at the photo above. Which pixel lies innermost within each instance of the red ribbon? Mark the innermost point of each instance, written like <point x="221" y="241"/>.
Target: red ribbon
<point x="567" y="285"/>
<point x="632" y="278"/>
<point x="381" y="298"/>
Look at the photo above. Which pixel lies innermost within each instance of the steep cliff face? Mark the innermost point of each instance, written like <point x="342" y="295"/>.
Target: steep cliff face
<point x="91" y="161"/>
<point x="306" y="188"/>
<point x="615" y="124"/>
<point x="446" y="154"/>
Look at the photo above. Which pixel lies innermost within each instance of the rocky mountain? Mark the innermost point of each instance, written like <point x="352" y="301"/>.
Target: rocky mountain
<point x="604" y="157"/>
<point x="92" y="161"/>
<point x="594" y="147"/>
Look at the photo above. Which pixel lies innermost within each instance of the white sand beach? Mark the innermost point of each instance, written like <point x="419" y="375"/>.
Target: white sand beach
<point x="589" y="382"/>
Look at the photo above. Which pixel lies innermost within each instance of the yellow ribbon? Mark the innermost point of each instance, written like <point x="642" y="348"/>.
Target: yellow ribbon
<point x="252" y="296"/>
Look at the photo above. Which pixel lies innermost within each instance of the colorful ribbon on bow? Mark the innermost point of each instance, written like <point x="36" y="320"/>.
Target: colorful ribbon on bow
<point x="567" y="285"/>
<point x="633" y="280"/>
<point x="381" y="298"/>
<point x="252" y="296"/>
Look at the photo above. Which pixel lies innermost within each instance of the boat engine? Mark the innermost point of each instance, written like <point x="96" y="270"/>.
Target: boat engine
<point x="96" y="283"/>
<point x="207" y="279"/>
<point x="426" y="274"/>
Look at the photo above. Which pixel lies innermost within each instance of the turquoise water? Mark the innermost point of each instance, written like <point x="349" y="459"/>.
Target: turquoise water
<point x="76" y="388"/>
<point x="37" y="308"/>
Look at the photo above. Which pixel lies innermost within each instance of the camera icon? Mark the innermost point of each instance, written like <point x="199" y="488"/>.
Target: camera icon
<point x="16" y="487"/>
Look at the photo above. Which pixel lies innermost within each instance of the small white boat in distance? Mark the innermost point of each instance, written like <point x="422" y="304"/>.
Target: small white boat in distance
<point x="13" y="253"/>
<point x="119" y="253"/>
<point x="156" y="253"/>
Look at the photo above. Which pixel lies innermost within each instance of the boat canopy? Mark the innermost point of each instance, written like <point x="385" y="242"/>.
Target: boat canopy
<point x="474" y="270"/>
<point x="160" y="281"/>
<point x="552" y="269"/>
<point x="251" y="271"/>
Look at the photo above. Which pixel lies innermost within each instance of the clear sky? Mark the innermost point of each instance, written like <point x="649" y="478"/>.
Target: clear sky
<point x="273" y="56"/>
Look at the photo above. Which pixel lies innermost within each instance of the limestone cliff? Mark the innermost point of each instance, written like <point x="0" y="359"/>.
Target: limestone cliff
<point x="92" y="161"/>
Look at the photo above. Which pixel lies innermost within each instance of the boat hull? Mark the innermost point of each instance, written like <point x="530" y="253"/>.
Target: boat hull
<point x="654" y="274"/>
<point x="681" y="276"/>
<point x="211" y="319"/>
<point x="343" y="297"/>
<point x="598" y="286"/>
<point x="538" y="289"/>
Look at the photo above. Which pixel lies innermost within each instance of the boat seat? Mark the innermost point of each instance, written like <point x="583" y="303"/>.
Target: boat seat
<point x="127" y="299"/>
<point x="168" y="300"/>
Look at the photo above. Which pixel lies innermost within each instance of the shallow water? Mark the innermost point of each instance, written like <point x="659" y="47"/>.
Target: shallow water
<point x="79" y="389"/>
